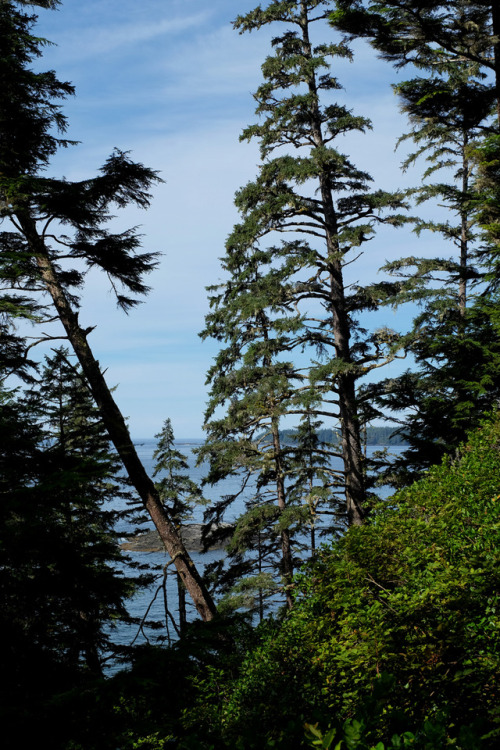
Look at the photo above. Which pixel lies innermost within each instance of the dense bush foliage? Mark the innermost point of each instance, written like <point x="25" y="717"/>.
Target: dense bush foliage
<point x="393" y="642"/>
<point x="395" y="625"/>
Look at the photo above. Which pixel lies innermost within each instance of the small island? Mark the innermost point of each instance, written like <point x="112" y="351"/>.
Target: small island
<point x="191" y="535"/>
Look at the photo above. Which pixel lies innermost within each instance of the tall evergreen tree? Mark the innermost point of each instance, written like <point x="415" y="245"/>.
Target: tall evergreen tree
<point x="87" y="491"/>
<point x="24" y="535"/>
<point x="414" y="31"/>
<point x="309" y="189"/>
<point x="252" y="379"/>
<point x="41" y="260"/>
<point x="420" y="32"/>
<point x="449" y="111"/>
<point x="61" y="588"/>
<point x="178" y="492"/>
<point x="454" y="344"/>
<point x="256" y="384"/>
<point x="450" y="106"/>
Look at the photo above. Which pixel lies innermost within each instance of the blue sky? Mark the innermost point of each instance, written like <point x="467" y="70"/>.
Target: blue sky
<point x="172" y="82"/>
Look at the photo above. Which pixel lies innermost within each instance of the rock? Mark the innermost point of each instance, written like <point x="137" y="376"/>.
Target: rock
<point x="191" y="534"/>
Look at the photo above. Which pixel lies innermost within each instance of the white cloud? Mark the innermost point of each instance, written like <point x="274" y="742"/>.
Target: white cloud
<point x="108" y="40"/>
<point x="87" y="36"/>
<point x="220" y="63"/>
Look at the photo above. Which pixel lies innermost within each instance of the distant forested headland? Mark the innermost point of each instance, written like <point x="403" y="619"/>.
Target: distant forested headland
<point x="373" y="435"/>
<point x="383" y="435"/>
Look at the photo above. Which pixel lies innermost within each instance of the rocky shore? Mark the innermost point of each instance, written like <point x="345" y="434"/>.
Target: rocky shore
<point x="191" y="534"/>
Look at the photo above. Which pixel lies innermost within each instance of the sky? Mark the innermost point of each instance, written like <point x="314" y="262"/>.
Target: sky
<point x="171" y="81"/>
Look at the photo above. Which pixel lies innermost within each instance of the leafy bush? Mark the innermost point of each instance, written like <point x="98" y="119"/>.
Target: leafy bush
<point x="395" y="625"/>
<point x="393" y="643"/>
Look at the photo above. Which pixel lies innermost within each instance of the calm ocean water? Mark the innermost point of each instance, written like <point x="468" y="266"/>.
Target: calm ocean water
<point x="144" y="602"/>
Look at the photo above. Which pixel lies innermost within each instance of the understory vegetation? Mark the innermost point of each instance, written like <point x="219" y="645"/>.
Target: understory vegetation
<point x="393" y="641"/>
<point x="395" y="625"/>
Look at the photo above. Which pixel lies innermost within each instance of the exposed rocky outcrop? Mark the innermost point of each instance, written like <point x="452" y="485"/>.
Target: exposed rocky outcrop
<point x="191" y="535"/>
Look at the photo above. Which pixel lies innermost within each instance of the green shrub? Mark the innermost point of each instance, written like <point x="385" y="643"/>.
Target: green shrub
<point x="396" y="625"/>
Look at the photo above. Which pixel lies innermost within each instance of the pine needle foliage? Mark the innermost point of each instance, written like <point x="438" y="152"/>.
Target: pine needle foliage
<point x="64" y="580"/>
<point x="412" y="31"/>
<point x="292" y="346"/>
<point x="451" y="110"/>
<point x="178" y="493"/>
<point x="57" y="231"/>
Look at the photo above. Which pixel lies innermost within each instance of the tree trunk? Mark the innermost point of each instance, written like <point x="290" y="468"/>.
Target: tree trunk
<point x="352" y="453"/>
<point x="286" y="548"/>
<point x="495" y="19"/>
<point x="115" y="424"/>
<point x="261" y="596"/>
<point x="464" y="233"/>
<point x="355" y="492"/>
<point x="181" y="595"/>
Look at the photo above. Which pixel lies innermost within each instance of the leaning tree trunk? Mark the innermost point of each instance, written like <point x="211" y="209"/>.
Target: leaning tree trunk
<point x="116" y="426"/>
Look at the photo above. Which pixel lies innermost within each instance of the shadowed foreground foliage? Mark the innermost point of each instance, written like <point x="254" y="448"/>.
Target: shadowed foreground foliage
<point x="393" y="642"/>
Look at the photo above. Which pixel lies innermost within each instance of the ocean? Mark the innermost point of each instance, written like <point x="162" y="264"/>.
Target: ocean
<point x="148" y="603"/>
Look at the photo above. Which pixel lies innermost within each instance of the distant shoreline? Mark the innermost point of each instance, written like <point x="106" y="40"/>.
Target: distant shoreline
<point x="381" y="435"/>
